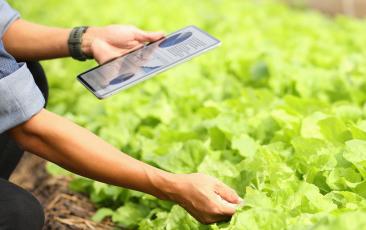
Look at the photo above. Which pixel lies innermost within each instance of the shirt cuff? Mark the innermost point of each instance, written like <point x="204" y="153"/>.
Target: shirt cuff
<point x="8" y="16"/>
<point x="20" y="98"/>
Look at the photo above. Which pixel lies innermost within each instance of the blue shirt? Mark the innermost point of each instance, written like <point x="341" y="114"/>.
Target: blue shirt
<point x="20" y="98"/>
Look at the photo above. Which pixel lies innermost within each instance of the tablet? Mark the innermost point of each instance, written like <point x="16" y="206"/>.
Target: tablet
<point x="145" y="62"/>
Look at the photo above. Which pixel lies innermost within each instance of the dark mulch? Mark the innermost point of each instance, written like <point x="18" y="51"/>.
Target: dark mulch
<point x="63" y="209"/>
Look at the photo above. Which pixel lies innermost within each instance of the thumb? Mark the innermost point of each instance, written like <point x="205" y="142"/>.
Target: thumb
<point x="149" y="36"/>
<point x="226" y="207"/>
<point x="227" y="193"/>
<point x="104" y="52"/>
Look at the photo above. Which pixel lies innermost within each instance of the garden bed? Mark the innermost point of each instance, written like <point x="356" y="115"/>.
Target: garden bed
<point x="63" y="209"/>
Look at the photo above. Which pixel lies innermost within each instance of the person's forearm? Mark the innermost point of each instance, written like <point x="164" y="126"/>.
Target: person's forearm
<point x="29" y="41"/>
<point x="72" y="147"/>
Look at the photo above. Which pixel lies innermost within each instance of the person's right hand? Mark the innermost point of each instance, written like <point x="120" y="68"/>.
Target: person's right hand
<point x="106" y="43"/>
<point x="204" y="197"/>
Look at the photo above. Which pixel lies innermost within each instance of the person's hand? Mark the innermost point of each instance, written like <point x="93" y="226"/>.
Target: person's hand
<point x="205" y="198"/>
<point x="105" y="43"/>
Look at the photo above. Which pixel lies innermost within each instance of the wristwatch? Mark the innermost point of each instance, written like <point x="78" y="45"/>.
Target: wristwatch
<point x="74" y="43"/>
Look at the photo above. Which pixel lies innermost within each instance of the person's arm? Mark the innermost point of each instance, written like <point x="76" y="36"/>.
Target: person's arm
<point x="58" y="140"/>
<point x="29" y="41"/>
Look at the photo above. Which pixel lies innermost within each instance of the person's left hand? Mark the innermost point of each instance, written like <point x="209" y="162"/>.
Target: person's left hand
<point x="105" y="43"/>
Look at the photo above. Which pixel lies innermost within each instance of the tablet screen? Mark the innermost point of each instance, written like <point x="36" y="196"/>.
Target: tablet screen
<point x="152" y="58"/>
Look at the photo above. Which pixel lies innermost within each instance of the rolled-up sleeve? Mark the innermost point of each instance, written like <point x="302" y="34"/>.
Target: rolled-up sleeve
<point x="20" y="98"/>
<point x="7" y="16"/>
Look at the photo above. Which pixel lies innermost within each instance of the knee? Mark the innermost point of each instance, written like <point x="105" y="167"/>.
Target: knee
<point x="25" y="212"/>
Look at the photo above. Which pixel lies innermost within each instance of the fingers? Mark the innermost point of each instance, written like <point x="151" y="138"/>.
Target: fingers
<point x="206" y="198"/>
<point x="227" y="193"/>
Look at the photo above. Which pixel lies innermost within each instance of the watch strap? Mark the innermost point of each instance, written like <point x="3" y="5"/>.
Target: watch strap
<point x="74" y="43"/>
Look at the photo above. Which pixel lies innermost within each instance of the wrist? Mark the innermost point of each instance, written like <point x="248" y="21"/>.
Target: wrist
<point x="75" y="42"/>
<point x="87" y="41"/>
<point x="164" y="183"/>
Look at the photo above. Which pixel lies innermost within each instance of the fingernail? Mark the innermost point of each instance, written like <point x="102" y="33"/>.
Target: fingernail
<point x="241" y="202"/>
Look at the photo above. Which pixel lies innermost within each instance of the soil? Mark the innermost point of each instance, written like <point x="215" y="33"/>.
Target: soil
<point x="63" y="209"/>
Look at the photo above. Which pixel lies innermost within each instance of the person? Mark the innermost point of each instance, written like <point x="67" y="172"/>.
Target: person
<point x="25" y="125"/>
